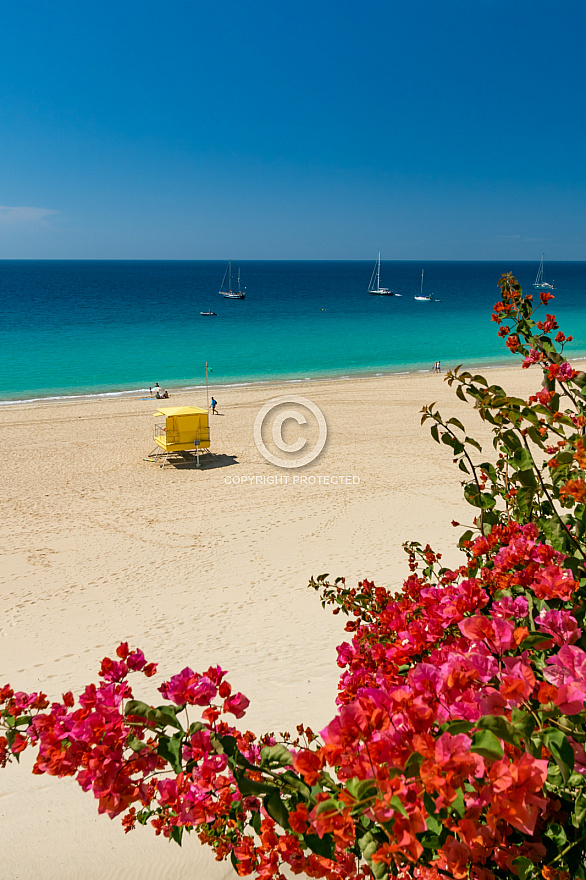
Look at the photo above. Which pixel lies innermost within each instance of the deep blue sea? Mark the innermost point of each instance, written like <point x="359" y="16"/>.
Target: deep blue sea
<point x="109" y="327"/>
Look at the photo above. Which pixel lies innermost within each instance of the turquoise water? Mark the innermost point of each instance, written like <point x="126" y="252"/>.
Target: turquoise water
<point x="109" y="327"/>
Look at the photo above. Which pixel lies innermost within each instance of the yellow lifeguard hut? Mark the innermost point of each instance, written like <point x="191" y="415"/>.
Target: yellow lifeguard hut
<point x="186" y="431"/>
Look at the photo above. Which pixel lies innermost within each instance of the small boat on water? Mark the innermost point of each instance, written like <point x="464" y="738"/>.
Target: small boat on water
<point x="422" y="297"/>
<point x="227" y="290"/>
<point x="374" y="286"/>
<point x="209" y="313"/>
<point x="539" y="283"/>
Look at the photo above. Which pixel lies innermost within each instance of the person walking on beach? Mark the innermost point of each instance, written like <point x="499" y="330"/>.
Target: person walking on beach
<point x="214" y="405"/>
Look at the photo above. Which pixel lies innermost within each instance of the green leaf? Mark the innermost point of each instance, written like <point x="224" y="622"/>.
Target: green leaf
<point x="412" y="764"/>
<point x="524" y="867"/>
<point x="361" y="789"/>
<point x="321" y="846"/>
<point x="278" y="755"/>
<point x="136" y="744"/>
<point x="500" y="727"/>
<point x="478" y="499"/>
<point x="161" y="716"/>
<point x="458" y="804"/>
<point x="524" y="500"/>
<point x="523" y="722"/>
<point x="511" y="441"/>
<point x="177" y="833"/>
<point x="429" y="804"/>
<point x="368" y="846"/>
<point x="456" y="726"/>
<point x="170" y="749"/>
<point x="579" y="812"/>
<point x="557" y="833"/>
<point x="527" y="479"/>
<point x="429" y="840"/>
<point x="467" y="536"/>
<point x="433" y="825"/>
<point x="329" y="806"/>
<point x="563" y="753"/>
<point x="457" y="423"/>
<point x="277" y="809"/>
<point x="397" y="804"/>
<point x="294" y="781"/>
<point x="10" y="737"/>
<point x="229" y="744"/>
<point x="138" y="708"/>
<point x="248" y="786"/>
<point x="534" y="640"/>
<point x="522" y="459"/>
<point x="485" y="743"/>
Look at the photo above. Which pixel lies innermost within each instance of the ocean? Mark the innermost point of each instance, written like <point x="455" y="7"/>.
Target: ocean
<point x="115" y="327"/>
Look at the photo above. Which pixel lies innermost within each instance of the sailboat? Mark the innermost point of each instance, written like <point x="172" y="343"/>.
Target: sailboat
<point x="374" y="285"/>
<point x="421" y="297"/>
<point x="539" y="283"/>
<point x="228" y="292"/>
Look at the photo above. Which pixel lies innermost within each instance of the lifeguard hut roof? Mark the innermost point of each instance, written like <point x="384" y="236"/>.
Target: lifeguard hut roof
<point x="181" y="411"/>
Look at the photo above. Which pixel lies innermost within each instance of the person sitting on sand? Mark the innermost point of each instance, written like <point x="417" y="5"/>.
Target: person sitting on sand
<point x="158" y="395"/>
<point x="165" y="394"/>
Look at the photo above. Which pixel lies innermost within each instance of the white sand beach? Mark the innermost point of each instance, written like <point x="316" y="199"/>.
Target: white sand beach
<point x="197" y="567"/>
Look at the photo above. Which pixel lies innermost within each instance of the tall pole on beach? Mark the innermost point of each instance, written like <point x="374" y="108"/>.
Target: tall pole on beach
<point x="207" y="390"/>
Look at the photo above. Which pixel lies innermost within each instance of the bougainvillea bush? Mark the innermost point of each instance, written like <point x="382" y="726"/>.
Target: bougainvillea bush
<point x="458" y="747"/>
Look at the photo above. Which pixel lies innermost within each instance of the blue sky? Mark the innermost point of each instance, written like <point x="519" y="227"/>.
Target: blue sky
<point x="427" y="129"/>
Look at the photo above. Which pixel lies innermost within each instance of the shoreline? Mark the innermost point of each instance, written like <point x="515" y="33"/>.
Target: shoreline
<point x="133" y="394"/>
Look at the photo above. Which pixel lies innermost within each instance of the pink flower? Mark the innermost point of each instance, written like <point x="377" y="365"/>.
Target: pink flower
<point x="567" y="671"/>
<point x="553" y="582"/>
<point x="532" y="358"/>
<point x="497" y="633"/>
<point x="189" y="687"/>
<point x="561" y="625"/>
<point x="237" y="704"/>
<point x="510" y="608"/>
<point x="566" y="372"/>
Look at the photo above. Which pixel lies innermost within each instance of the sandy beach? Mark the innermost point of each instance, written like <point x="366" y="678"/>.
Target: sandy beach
<point x="199" y="567"/>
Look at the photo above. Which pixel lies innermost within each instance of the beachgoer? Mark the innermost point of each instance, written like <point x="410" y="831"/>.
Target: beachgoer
<point x="158" y="395"/>
<point x="165" y="394"/>
<point x="156" y="390"/>
<point x="214" y="405"/>
<point x="439" y="367"/>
